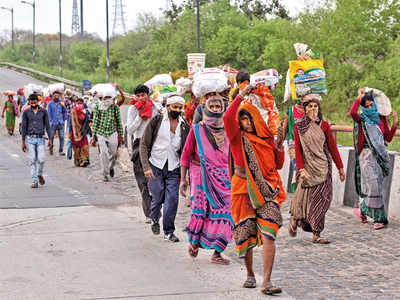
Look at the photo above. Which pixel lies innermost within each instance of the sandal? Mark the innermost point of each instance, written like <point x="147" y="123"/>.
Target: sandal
<point x="321" y="240"/>
<point x="292" y="230"/>
<point x="219" y="260"/>
<point x="361" y="217"/>
<point x="378" y="226"/>
<point x="250" y="283"/>
<point x="271" y="290"/>
<point x="193" y="251"/>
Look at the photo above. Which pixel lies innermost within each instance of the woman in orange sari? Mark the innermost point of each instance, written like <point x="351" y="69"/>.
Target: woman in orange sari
<point x="257" y="190"/>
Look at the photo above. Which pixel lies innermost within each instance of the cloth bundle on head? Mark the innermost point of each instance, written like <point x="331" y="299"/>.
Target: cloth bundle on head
<point x="214" y="123"/>
<point x="175" y="100"/>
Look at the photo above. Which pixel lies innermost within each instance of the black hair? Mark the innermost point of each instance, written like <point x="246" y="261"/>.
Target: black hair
<point x="141" y="88"/>
<point x="242" y="76"/>
<point x="33" y="97"/>
<point x="243" y="112"/>
<point x="365" y="98"/>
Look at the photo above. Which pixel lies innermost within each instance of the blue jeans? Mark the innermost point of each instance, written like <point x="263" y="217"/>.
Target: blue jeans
<point x="37" y="156"/>
<point x="164" y="189"/>
<point x="60" y="129"/>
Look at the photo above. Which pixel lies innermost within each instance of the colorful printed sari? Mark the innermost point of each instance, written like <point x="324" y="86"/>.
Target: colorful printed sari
<point x="256" y="198"/>
<point x="211" y="222"/>
<point x="12" y="113"/>
<point x="374" y="163"/>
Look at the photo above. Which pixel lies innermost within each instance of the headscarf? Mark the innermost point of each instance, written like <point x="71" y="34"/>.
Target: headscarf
<point x="371" y="115"/>
<point x="105" y="104"/>
<point x="313" y="100"/>
<point x="214" y="125"/>
<point x="263" y="180"/>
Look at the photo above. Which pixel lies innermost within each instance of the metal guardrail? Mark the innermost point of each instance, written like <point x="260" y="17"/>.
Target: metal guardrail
<point x="48" y="76"/>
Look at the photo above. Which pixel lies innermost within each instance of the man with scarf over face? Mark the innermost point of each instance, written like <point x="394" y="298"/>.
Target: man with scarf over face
<point x="160" y="149"/>
<point x="107" y="126"/>
<point x="139" y="115"/>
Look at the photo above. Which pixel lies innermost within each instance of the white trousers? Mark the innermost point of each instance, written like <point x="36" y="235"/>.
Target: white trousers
<point x="108" y="151"/>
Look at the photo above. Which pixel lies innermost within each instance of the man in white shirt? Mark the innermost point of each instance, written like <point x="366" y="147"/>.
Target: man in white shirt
<point x="160" y="150"/>
<point x="139" y="115"/>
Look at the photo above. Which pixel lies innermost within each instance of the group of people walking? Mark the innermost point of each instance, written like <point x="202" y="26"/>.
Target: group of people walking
<point x="225" y="158"/>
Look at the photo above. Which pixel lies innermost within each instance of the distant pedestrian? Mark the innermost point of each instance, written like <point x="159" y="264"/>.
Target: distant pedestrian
<point x="35" y="122"/>
<point x="139" y="115"/>
<point x="160" y="150"/>
<point x="12" y="112"/>
<point x="106" y="129"/>
<point x="371" y="136"/>
<point x="79" y="130"/>
<point x="57" y="116"/>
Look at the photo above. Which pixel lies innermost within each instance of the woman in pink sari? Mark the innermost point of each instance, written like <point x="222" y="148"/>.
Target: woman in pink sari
<point x="206" y="155"/>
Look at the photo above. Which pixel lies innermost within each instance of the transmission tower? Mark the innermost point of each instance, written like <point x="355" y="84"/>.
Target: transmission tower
<point x="167" y="4"/>
<point x="75" y="18"/>
<point x="119" y="18"/>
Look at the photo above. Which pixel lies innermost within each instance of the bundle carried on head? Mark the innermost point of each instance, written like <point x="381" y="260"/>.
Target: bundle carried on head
<point x="382" y="101"/>
<point x="209" y="80"/>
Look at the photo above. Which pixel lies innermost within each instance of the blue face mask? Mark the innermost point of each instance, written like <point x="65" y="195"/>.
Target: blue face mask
<point x="371" y="115"/>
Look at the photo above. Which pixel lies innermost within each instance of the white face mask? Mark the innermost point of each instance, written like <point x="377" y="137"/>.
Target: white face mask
<point x="105" y="104"/>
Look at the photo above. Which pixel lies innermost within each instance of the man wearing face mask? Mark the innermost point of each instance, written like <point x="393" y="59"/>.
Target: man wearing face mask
<point x="35" y="122"/>
<point x="107" y="126"/>
<point x="57" y="116"/>
<point x="160" y="149"/>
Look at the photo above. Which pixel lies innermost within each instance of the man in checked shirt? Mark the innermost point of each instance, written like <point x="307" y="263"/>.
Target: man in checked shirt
<point x="107" y="131"/>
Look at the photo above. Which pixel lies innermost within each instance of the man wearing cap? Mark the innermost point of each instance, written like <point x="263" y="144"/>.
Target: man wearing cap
<point x="35" y="122"/>
<point x="107" y="131"/>
<point x="57" y="116"/>
<point x="160" y="150"/>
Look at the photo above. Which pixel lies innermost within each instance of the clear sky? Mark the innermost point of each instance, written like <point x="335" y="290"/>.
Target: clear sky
<point x="94" y="14"/>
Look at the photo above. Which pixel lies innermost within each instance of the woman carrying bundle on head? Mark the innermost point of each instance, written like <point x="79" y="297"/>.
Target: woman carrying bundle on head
<point x="371" y="133"/>
<point x="315" y="149"/>
<point x="11" y="110"/>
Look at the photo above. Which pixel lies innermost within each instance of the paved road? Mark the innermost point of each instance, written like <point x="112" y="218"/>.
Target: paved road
<point x="85" y="243"/>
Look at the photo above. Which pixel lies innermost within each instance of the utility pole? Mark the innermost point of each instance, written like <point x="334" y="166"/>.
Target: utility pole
<point x="198" y="26"/>
<point x="108" y="43"/>
<point x="81" y="18"/>
<point x="61" y="57"/>
<point x="12" y="27"/>
<point x="33" y="29"/>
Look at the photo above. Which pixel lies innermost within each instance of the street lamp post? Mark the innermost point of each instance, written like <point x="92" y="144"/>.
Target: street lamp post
<point x="198" y="25"/>
<point x="108" y="43"/>
<point x="61" y="57"/>
<point x="12" y="27"/>
<point x="33" y="29"/>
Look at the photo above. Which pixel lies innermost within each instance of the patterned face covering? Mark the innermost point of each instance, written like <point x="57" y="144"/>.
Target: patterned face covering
<point x="371" y="114"/>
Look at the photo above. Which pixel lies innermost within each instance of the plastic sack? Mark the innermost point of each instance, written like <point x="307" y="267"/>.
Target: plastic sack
<point x="208" y="81"/>
<point x="307" y="77"/>
<point x="183" y="85"/>
<point x="32" y="89"/>
<point x="300" y="48"/>
<point x="382" y="101"/>
<point x="269" y="77"/>
<point x="160" y="79"/>
<point x="161" y="93"/>
<point x="56" y="87"/>
<point x="104" y="89"/>
<point x="288" y="91"/>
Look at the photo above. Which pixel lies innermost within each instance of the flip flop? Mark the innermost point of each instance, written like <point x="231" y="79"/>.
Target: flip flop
<point x="271" y="290"/>
<point x="193" y="251"/>
<point x="361" y="217"/>
<point x="320" y="240"/>
<point x="250" y="283"/>
<point x="219" y="260"/>
<point x="378" y="226"/>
